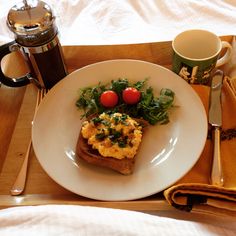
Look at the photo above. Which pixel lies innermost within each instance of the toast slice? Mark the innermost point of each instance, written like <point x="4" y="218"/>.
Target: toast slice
<point x="88" y="153"/>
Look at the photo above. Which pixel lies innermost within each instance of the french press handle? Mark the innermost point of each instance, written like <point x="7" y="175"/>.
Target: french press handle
<point x="12" y="82"/>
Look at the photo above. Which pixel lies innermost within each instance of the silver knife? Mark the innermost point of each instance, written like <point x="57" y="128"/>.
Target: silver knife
<point x="215" y="119"/>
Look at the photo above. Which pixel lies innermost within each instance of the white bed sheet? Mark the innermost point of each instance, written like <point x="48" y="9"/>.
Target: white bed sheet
<point x="80" y="220"/>
<point x="132" y="21"/>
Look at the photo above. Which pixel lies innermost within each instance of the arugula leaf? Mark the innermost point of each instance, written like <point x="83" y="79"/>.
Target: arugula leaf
<point x="147" y="97"/>
<point x="119" y="85"/>
<point x="140" y="84"/>
<point x="151" y="108"/>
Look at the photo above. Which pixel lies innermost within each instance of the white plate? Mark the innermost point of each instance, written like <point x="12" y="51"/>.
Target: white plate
<point x="167" y="151"/>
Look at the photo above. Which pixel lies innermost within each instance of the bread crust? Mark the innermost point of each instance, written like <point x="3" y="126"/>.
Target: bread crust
<point x="85" y="151"/>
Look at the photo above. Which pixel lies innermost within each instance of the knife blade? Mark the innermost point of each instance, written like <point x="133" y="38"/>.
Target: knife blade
<point x="215" y="120"/>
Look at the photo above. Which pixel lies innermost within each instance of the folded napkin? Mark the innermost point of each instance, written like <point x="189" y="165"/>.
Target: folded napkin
<point x="194" y="191"/>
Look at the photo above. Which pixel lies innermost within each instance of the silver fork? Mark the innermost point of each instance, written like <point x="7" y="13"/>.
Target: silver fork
<point x="19" y="184"/>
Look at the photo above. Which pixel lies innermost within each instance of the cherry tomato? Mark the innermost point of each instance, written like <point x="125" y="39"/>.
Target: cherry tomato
<point x="131" y="95"/>
<point x="109" y="98"/>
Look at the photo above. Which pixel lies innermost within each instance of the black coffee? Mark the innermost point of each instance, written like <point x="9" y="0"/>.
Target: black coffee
<point x="51" y="66"/>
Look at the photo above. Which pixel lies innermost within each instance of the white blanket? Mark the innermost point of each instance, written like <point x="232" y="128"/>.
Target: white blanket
<point x="79" y="220"/>
<point x="132" y="21"/>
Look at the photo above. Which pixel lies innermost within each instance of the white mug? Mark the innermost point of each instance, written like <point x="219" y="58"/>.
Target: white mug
<point x="196" y="53"/>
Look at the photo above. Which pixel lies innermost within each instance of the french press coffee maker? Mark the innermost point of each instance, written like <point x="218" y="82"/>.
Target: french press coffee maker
<point x="36" y="36"/>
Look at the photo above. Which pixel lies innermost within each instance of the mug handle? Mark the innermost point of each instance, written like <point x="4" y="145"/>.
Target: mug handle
<point x="12" y="82"/>
<point x="223" y="60"/>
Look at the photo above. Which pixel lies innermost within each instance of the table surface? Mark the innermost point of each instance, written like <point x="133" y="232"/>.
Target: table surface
<point x="16" y="112"/>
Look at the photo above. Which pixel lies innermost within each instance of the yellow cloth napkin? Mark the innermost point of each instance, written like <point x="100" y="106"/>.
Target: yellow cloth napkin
<point x="194" y="191"/>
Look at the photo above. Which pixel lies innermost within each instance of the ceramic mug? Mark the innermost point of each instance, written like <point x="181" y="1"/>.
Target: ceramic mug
<point x="196" y="53"/>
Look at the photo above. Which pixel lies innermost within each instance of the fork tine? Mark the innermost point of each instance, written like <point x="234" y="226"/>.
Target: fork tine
<point x="19" y="184"/>
<point x="38" y="98"/>
<point x="43" y="92"/>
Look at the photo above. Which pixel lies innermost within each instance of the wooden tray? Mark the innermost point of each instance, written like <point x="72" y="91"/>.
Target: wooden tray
<point x="16" y="113"/>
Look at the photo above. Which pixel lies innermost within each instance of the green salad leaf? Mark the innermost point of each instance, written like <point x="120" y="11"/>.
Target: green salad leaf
<point x="151" y="108"/>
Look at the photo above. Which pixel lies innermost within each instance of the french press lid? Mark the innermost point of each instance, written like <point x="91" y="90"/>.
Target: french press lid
<point x="32" y="23"/>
